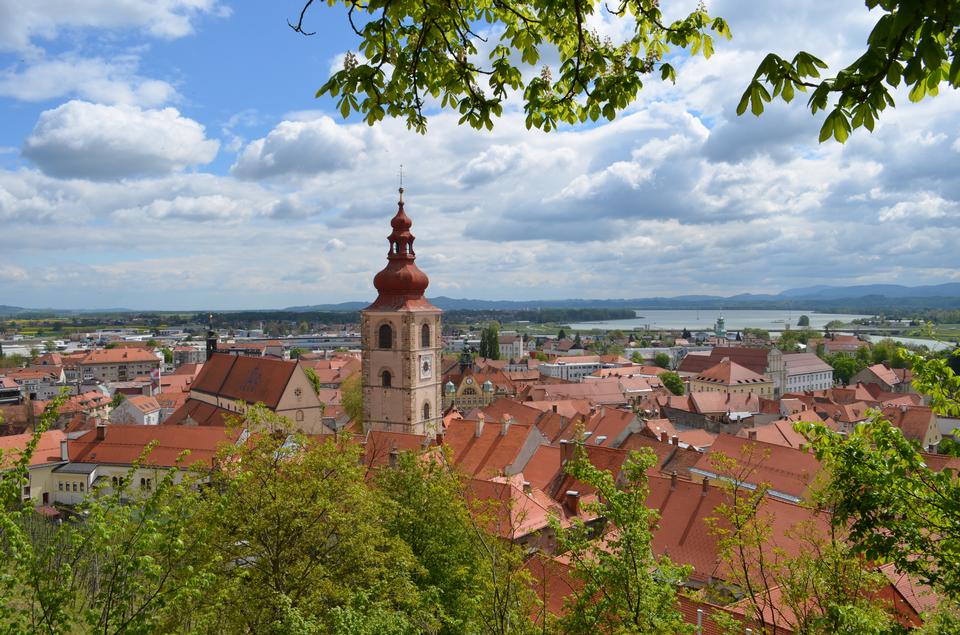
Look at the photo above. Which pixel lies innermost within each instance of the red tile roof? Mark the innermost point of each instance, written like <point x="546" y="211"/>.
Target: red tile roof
<point x="249" y="379"/>
<point x="119" y="356"/>
<point x="730" y="373"/>
<point x="123" y="445"/>
<point x="47" y="451"/>
<point x="913" y="421"/>
<point x="492" y="452"/>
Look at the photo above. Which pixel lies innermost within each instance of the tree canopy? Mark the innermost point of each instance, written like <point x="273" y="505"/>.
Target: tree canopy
<point x="472" y="56"/>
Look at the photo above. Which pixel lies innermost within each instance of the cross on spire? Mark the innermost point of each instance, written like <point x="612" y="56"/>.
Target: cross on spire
<point x="401" y="183"/>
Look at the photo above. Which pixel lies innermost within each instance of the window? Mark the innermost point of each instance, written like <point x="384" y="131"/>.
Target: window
<point x="299" y="415"/>
<point x="143" y="483"/>
<point x="81" y="487"/>
<point x="115" y="481"/>
<point x="426" y="411"/>
<point x="74" y="487"/>
<point x="385" y="338"/>
<point x="60" y="485"/>
<point x="149" y="483"/>
<point x="386" y="379"/>
<point x="425" y="336"/>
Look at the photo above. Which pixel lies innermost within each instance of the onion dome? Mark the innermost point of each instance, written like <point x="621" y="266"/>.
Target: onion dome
<point x="487" y="386"/>
<point x="449" y="388"/>
<point x="401" y="284"/>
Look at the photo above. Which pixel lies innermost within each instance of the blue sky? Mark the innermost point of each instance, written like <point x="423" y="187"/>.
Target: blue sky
<point x="172" y="155"/>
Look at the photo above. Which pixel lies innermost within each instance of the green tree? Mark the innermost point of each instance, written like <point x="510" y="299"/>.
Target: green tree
<point x="152" y="343"/>
<point x="295" y="353"/>
<point x="412" y="51"/>
<point x="490" y="341"/>
<point x="351" y="397"/>
<point x="118" y="398"/>
<point x="477" y="579"/>
<point x="562" y="335"/>
<point x="804" y="320"/>
<point x="296" y="527"/>
<point x="49" y="346"/>
<point x="896" y="507"/>
<point x="167" y="355"/>
<point x="844" y="367"/>
<point x="662" y="360"/>
<point x="577" y="343"/>
<point x="626" y="588"/>
<point x="671" y="381"/>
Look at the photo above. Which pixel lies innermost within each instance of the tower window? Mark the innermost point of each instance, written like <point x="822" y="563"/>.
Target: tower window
<point x="386" y="378"/>
<point x="425" y="336"/>
<point x="385" y="336"/>
<point x="426" y="411"/>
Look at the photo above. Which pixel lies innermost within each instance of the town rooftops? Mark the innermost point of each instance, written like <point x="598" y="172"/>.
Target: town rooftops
<point x="805" y="363"/>
<point x="143" y="403"/>
<point x="47" y="450"/>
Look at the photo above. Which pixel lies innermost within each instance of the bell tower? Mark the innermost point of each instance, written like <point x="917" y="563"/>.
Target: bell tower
<point x="401" y="343"/>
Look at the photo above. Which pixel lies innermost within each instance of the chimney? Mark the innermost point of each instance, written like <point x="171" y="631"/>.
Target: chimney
<point x="527" y="489"/>
<point x="566" y="451"/>
<point x="393" y="457"/>
<point x="601" y="439"/>
<point x="603" y="411"/>
<point x="752" y="435"/>
<point x="64" y="454"/>
<point x="664" y="437"/>
<point x="505" y="426"/>
<point x="572" y="499"/>
<point x="673" y="479"/>
<point x="554" y="407"/>
<point x="903" y="408"/>
<point x="705" y="486"/>
<point x="675" y="440"/>
<point x="480" y="421"/>
<point x="101" y="431"/>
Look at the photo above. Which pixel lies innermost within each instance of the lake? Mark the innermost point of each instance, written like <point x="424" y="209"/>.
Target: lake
<point x="703" y="320"/>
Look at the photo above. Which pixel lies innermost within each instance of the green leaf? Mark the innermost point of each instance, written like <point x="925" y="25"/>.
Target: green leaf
<point x="744" y="102"/>
<point x="918" y="91"/>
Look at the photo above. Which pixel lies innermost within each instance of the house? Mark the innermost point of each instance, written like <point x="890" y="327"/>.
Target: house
<point x="483" y="450"/>
<point x="228" y="384"/>
<point x="730" y="377"/>
<point x="9" y="392"/>
<point x="118" y="364"/>
<point x="512" y="346"/>
<point x="918" y="424"/>
<point x="806" y="371"/>
<point x="837" y="344"/>
<point x="889" y="379"/>
<point x="137" y="409"/>
<point x="45" y="457"/>
<point x="574" y="369"/>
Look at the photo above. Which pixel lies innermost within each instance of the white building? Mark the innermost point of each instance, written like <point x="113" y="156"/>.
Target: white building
<point x="137" y="409"/>
<point x="806" y="371"/>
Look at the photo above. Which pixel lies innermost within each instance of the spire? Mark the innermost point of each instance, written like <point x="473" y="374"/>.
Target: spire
<point x="401" y="284"/>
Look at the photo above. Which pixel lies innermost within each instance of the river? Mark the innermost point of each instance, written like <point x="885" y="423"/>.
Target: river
<point x="703" y="320"/>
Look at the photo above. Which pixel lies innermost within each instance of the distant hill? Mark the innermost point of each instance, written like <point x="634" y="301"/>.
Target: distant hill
<point x="822" y="292"/>
<point x="865" y="298"/>
<point x="6" y="309"/>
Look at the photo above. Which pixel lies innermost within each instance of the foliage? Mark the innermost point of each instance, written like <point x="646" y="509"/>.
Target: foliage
<point x="625" y="587"/>
<point x="671" y="381"/>
<point x="758" y="333"/>
<point x="824" y="588"/>
<point x="120" y="569"/>
<point x="294" y="519"/>
<point x="896" y="507"/>
<point x="789" y="341"/>
<point x="295" y="353"/>
<point x="409" y="52"/>
<point x="490" y="341"/>
<point x="803" y="320"/>
<point x="167" y="355"/>
<point x="914" y="43"/>
<point x="662" y="360"/>
<point x="475" y="582"/>
<point x="351" y="397"/>
<point x="577" y="342"/>
<point x="118" y="398"/>
<point x="314" y="379"/>
<point x="562" y="335"/>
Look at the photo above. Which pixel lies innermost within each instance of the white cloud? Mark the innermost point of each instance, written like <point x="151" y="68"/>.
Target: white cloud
<point x="925" y="205"/>
<point x="84" y="140"/>
<point x="22" y="22"/>
<point x="303" y="148"/>
<point x="93" y="79"/>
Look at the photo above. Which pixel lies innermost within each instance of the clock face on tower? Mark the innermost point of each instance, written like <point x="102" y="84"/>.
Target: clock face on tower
<point x="426" y="367"/>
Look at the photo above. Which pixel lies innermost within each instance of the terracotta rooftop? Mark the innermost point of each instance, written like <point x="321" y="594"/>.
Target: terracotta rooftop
<point x="730" y="373"/>
<point x="913" y="421"/>
<point x="123" y="445"/>
<point x="47" y="451"/>
<point x="119" y="356"/>
<point x="490" y="454"/>
<point x="143" y="403"/>
<point x="249" y="379"/>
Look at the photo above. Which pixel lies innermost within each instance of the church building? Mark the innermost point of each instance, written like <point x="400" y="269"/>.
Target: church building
<point x="401" y="343"/>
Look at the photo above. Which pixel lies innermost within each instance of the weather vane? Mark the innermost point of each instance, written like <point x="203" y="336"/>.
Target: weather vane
<point x="401" y="175"/>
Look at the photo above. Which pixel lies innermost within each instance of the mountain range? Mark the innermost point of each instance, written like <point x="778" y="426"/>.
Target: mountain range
<point x="868" y="297"/>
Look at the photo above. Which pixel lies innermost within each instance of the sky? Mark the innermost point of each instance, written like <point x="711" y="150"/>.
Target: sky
<point x="170" y="154"/>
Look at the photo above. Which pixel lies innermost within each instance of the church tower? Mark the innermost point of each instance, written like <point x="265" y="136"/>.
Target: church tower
<point x="401" y="343"/>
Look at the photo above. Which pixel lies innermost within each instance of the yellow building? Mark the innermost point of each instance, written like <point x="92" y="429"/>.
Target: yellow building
<point x="731" y="377"/>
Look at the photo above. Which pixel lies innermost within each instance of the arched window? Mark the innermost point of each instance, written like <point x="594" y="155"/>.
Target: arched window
<point x="425" y="336"/>
<point x="385" y="338"/>
<point x="386" y="378"/>
<point x="469" y="391"/>
<point x="426" y="411"/>
<point x="299" y="415"/>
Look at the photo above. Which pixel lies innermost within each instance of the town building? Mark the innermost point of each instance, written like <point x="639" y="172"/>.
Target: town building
<point x="763" y="361"/>
<point x="401" y="343"/>
<point x="730" y="377"/>
<point x="806" y="371"/>
<point x="137" y="409"/>
<point x="118" y="364"/>
<point x="889" y="379"/>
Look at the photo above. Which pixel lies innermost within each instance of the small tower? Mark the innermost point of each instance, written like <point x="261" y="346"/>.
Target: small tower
<point x="211" y="337"/>
<point x="400" y="340"/>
